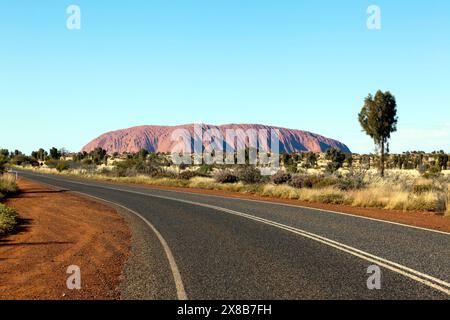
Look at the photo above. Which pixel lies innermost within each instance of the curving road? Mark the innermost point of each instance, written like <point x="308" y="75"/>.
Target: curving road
<point x="214" y="247"/>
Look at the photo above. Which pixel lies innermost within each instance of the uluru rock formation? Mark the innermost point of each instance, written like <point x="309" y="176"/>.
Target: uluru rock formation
<point x="159" y="138"/>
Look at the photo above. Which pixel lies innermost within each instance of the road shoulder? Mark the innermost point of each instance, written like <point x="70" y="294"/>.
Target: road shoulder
<point x="57" y="230"/>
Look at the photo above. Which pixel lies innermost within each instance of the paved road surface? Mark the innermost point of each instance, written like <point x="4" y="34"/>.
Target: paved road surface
<point x="225" y="248"/>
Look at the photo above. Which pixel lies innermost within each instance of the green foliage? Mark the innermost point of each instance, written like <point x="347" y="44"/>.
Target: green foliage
<point x="4" y="153"/>
<point x="432" y="173"/>
<point x="8" y="219"/>
<point x="3" y="162"/>
<point x="422" y="188"/>
<point x="133" y="166"/>
<point x="22" y="160"/>
<point x="249" y="174"/>
<point x="205" y="170"/>
<point x="292" y="168"/>
<point x="353" y="181"/>
<point x="330" y="198"/>
<point x="442" y="160"/>
<point x="322" y="182"/>
<point x="186" y="175"/>
<point x="39" y="155"/>
<point x="310" y="160"/>
<point x="55" y="154"/>
<point x="378" y="118"/>
<point x="142" y="154"/>
<point x="337" y="158"/>
<point x="98" y="155"/>
<point x="51" y="163"/>
<point x="62" y="166"/>
<point x="287" y="159"/>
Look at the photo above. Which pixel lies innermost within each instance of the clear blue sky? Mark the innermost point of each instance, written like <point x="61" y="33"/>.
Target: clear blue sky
<point x="292" y="63"/>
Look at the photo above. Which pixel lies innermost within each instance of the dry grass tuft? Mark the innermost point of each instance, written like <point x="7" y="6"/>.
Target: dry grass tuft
<point x="7" y="185"/>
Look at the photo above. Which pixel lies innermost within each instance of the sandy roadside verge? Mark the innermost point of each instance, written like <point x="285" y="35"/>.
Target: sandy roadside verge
<point x="59" y="229"/>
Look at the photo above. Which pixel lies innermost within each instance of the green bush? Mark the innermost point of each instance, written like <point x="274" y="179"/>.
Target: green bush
<point x="422" y="188"/>
<point x="330" y="198"/>
<point x="225" y="176"/>
<point x="320" y="182"/>
<point x="292" y="168"/>
<point x="3" y="162"/>
<point x="186" y="175"/>
<point x="205" y="170"/>
<point x="337" y="158"/>
<point x="351" y="182"/>
<point x="249" y="174"/>
<point x="8" y="219"/>
<point x="433" y="172"/>
<point x="62" y="166"/>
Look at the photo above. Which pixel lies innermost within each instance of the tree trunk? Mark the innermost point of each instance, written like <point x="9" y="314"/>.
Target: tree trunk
<point x="382" y="160"/>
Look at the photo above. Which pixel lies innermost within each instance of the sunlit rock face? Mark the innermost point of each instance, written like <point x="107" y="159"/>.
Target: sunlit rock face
<point x="161" y="138"/>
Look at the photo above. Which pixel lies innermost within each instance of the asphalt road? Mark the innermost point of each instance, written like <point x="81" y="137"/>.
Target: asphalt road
<point x="224" y="248"/>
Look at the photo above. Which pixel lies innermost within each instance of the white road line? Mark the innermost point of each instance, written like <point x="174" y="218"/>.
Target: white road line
<point x="181" y="292"/>
<point x="273" y="203"/>
<point x="418" y="276"/>
<point x="285" y="205"/>
<point x="302" y="207"/>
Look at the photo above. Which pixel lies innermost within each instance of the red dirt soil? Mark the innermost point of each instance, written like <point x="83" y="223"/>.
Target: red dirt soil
<point x="59" y="229"/>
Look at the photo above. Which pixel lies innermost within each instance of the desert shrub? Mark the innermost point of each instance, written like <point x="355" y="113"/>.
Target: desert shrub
<point x="292" y="168"/>
<point x="163" y="173"/>
<point x="422" y="188"/>
<point x="351" y="182"/>
<point x="62" y="166"/>
<point x="329" y="197"/>
<point x="378" y="197"/>
<point x="337" y="158"/>
<point x="249" y="174"/>
<point x="7" y="186"/>
<point x="429" y="201"/>
<point x="22" y="160"/>
<point x="302" y="181"/>
<point x="3" y="162"/>
<point x="123" y="171"/>
<point x="432" y="173"/>
<point x="87" y="162"/>
<point x="8" y="219"/>
<point x="281" y="177"/>
<point x="205" y="170"/>
<point x="187" y="175"/>
<point x="51" y="163"/>
<point x="297" y="181"/>
<point x="225" y="176"/>
<point x="320" y="182"/>
<point x="146" y="169"/>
